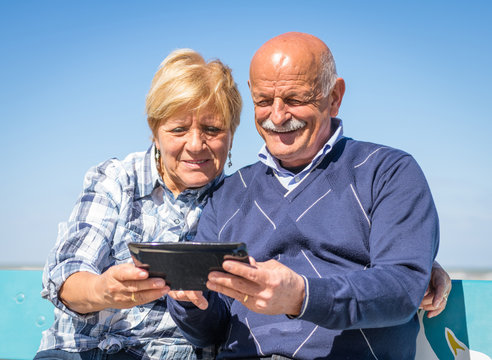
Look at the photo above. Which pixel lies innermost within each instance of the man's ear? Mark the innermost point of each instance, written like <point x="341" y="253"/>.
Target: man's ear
<point x="249" y="84"/>
<point x="336" y="96"/>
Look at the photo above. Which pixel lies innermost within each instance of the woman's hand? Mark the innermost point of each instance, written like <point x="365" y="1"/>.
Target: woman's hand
<point x="196" y="297"/>
<point x="437" y="293"/>
<point x="121" y="286"/>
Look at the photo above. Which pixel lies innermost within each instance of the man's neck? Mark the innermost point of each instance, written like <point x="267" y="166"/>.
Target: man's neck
<point x="294" y="169"/>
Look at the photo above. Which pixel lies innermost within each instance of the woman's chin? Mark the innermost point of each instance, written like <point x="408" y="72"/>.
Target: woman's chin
<point x="198" y="180"/>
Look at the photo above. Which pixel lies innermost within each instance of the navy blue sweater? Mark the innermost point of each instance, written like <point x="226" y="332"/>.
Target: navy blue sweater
<point x="361" y="228"/>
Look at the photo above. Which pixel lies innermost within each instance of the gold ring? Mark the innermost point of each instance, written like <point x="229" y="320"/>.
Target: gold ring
<point x="133" y="297"/>
<point x="245" y="298"/>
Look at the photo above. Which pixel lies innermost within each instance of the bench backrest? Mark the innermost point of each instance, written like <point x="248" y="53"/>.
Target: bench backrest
<point x="23" y="313"/>
<point x="462" y="331"/>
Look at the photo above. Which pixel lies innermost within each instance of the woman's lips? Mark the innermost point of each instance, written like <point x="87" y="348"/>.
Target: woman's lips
<point x="196" y="163"/>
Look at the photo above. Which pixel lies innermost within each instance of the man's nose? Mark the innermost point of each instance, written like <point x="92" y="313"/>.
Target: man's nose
<point x="279" y="112"/>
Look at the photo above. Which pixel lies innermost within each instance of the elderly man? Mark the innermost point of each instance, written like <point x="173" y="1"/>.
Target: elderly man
<point x="342" y="233"/>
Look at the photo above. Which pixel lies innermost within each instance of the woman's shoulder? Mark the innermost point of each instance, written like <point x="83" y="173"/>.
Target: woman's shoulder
<point x="123" y="173"/>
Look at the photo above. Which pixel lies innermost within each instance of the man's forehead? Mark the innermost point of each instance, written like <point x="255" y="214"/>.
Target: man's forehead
<point x="285" y="68"/>
<point x="280" y="59"/>
<point x="284" y="86"/>
<point x="285" y="81"/>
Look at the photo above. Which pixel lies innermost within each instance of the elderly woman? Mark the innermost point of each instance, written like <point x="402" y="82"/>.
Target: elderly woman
<point x="105" y="307"/>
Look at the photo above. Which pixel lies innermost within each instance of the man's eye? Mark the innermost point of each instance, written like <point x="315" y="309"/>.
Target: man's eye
<point x="263" y="103"/>
<point x="293" y="102"/>
<point x="178" y="130"/>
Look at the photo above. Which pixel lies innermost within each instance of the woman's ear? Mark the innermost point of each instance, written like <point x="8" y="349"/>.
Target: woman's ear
<point x="156" y="143"/>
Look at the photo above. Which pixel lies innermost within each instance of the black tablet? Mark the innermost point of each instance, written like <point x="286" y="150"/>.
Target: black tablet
<point x="185" y="265"/>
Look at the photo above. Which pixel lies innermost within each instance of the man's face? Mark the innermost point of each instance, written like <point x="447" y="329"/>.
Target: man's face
<point x="286" y="92"/>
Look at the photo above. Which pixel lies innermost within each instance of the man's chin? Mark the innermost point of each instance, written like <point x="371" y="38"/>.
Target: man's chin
<point x="277" y="139"/>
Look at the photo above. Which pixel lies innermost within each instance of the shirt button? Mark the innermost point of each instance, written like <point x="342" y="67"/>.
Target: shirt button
<point x="176" y="221"/>
<point x="297" y="179"/>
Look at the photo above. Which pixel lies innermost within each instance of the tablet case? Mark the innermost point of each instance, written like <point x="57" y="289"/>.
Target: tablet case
<point x="185" y="265"/>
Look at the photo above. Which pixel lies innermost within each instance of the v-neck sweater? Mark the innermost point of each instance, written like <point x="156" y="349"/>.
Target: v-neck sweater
<point x="361" y="229"/>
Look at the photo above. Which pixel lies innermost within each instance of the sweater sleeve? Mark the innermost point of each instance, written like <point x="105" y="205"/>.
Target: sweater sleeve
<point x="209" y="326"/>
<point x="403" y="243"/>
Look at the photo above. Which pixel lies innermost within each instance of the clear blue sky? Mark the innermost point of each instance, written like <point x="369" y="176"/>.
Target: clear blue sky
<point x="74" y="75"/>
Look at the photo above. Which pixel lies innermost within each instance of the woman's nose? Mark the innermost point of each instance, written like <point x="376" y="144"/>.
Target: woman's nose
<point x="195" y="141"/>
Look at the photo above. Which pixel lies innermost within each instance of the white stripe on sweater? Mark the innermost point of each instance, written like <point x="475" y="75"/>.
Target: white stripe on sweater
<point x="300" y="346"/>
<point x="258" y="206"/>
<point x="305" y="211"/>
<point x="368" y="344"/>
<point x="241" y="176"/>
<point x="368" y="156"/>
<point x="223" y="226"/>
<point x="254" y="337"/>
<point x="360" y="204"/>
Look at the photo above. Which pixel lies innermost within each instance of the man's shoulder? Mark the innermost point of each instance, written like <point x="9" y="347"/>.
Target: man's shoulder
<point x="361" y="154"/>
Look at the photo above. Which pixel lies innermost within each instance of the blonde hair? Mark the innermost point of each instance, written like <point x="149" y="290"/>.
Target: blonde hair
<point x="186" y="82"/>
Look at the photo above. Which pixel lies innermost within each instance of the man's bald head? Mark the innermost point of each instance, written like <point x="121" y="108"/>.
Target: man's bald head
<point x="306" y="52"/>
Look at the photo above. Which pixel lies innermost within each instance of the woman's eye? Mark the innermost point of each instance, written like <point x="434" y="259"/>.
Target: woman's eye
<point x="212" y="130"/>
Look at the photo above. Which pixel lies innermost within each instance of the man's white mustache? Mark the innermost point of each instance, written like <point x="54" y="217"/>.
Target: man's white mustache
<point x="291" y="125"/>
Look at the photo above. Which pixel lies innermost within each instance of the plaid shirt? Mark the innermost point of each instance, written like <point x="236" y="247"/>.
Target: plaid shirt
<point x="122" y="201"/>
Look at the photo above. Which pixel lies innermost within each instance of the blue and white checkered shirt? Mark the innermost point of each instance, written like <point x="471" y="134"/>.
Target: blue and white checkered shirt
<point x="122" y="201"/>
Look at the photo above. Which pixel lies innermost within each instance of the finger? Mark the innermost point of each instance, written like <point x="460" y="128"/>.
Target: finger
<point x="246" y="271"/>
<point x="197" y="298"/>
<point x="176" y="295"/>
<point x="142" y="285"/>
<point x="124" y="272"/>
<point x="223" y="282"/>
<point x="146" y="296"/>
<point x="434" y="313"/>
<point x="228" y="291"/>
<point x="427" y="300"/>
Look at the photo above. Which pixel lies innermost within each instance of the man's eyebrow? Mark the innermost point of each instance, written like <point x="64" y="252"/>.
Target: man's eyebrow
<point x="261" y="94"/>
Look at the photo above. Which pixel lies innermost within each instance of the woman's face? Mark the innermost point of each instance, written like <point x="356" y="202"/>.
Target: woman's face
<point x="194" y="149"/>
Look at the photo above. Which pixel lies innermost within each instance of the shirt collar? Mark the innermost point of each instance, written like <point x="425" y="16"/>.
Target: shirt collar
<point x="269" y="160"/>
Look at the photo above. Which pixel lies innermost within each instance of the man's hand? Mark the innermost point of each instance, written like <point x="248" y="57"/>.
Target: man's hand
<point x="264" y="287"/>
<point x="437" y="293"/>
<point x="121" y="286"/>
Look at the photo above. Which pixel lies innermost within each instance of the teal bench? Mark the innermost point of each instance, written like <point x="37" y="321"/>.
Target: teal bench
<point x="23" y="313"/>
<point x="462" y="331"/>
